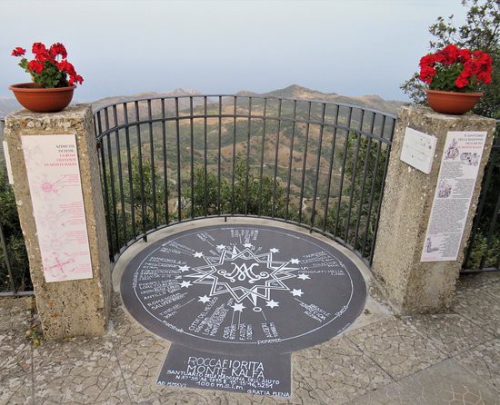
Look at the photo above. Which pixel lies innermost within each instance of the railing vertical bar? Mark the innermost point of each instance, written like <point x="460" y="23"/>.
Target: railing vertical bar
<point x="372" y="196"/>
<point x="112" y="180"/>
<point x="249" y="134"/>
<point x="330" y="167"/>
<point x="178" y="137"/>
<point x="262" y="148"/>
<point x="205" y="156"/>
<point x="489" y="237"/>
<point x="290" y="160"/>
<point x="141" y="171"/>
<point x="120" y="175"/>
<point x="353" y="178"/>
<point x="6" y="260"/>
<point x="153" y="165"/>
<point x="219" y="157"/>
<point x="276" y="158"/>
<point x="233" y="175"/>
<point x="363" y="184"/>
<point x="342" y="176"/>
<point x="98" y="120"/>
<point x="130" y="167"/>
<point x="318" y="165"/>
<point x="304" y="164"/>
<point x="165" y="154"/>
<point x="375" y="229"/>
<point x="191" y="145"/>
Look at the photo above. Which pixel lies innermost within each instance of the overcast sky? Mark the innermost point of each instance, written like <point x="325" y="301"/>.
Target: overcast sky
<point x="351" y="47"/>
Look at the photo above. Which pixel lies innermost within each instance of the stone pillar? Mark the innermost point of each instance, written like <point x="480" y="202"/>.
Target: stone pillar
<point x="412" y="285"/>
<point x="73" y="291"/>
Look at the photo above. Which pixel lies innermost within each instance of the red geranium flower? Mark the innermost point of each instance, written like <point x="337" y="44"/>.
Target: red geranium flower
<point x="49" y="67"/>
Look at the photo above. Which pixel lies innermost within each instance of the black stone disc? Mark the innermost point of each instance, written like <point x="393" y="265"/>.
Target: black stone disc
<point x="243" y="289"/>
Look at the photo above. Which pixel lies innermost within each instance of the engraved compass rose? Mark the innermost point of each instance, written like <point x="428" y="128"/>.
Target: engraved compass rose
<point x="242" y="273"/>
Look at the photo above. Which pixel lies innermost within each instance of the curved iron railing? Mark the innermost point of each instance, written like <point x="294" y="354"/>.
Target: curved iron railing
<point x="315" y="164"/>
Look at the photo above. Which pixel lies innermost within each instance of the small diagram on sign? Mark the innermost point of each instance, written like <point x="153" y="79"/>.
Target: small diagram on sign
<point x="428" y="246"/>
<point x="471" y="159"/>
<point x="444" y="189"/>
<point x="452" y="151"/>
<point x="59" y="266"/>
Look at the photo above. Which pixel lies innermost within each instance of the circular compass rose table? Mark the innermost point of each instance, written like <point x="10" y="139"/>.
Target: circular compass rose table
<point x="248" y="289"/>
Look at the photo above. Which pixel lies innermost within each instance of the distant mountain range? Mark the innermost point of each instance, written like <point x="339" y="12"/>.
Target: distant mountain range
<point x="9" y="105"/>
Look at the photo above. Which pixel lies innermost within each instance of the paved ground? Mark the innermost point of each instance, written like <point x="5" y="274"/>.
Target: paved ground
<point x="452" y="358"/>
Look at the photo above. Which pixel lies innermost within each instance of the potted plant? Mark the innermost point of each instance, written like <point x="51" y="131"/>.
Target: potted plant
<point x="54" y="79"/>
<point x="454" y="77"/>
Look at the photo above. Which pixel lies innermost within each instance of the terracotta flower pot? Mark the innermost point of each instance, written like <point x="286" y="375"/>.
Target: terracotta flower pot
<point x="450" y="102"/>
<point x="37" y="99"/>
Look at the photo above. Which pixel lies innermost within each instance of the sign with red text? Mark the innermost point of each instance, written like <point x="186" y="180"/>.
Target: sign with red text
<point x="56" y="193"/>
<point x="452" y="198"/>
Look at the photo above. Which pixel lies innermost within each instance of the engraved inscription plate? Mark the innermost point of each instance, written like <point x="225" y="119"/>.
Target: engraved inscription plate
<point x="243" y="289"/>
<point x="418" y="150"/>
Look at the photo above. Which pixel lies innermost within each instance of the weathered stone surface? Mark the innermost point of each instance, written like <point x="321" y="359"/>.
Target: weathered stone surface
<point x="67" y="308"/>
<point x="396" y="347"/>
<point x="411" y="285"/>
<point x="444" y="383"/>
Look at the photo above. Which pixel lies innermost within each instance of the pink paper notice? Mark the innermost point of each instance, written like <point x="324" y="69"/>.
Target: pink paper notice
<point x="56" y="194"/>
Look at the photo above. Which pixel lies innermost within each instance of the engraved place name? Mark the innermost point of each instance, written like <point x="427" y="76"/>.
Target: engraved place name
<point x="258" y="375"/>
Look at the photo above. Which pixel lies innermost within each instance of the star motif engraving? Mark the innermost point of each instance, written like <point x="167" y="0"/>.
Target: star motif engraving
<point x="184" y="268"/>
<point x="238" y="307"/>
<point x="204" y="299"/>
<point x="248" y="245"/>
<point x="221" y="247"/>
<point x="243" y="273"/>
<point x="186" y="284"/>
<point x="272" y="304"/>
<point x="297" y="293"/>
<point x="303" y="277"/>
<point x="198" y="254"/>
<point x="295" y="261"/>
<point x="274" y="250"/>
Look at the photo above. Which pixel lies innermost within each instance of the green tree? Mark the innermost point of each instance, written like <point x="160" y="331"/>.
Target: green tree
<point x="481" y="30"/>
<point x="14" y="240"/>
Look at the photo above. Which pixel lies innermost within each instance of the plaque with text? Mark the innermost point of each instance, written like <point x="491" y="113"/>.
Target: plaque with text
<point x="56" y="193"/>
<point x="268" y="375"/>
<point x="452" y="198"/>
<point x="418" y="150"/>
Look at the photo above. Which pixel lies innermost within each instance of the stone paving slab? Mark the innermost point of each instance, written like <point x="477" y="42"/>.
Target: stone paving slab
<point x="396" y="347"/>
<point x="451" y="333"/>
<point x="484" y="360"/>
<point x="444" y="383"/>
<point x="481" y="306"/>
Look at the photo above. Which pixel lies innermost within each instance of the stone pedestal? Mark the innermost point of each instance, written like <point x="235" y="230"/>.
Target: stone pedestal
<point x="414" y="286"/>
<point x="74" y="307"/>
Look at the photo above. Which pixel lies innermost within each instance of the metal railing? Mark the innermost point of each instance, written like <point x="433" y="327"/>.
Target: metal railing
<point x="483" y="249"/>
<point x="315" y="164"/>
<point x="14" y="268"/>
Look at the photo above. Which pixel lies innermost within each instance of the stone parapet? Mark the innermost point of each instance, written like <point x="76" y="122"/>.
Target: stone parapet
<point x="416" y="286"/>
<point x="70" y="307"/>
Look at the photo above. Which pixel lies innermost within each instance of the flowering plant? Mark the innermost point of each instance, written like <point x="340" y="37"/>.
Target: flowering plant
<point x="455" y="69"/>
<point x="49" y="68"/>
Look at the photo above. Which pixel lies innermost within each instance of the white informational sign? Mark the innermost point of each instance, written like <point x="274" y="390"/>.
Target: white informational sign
<point x="453" y="195"/>
<point x="418" y="150"/>
<point x="56" y="192"/>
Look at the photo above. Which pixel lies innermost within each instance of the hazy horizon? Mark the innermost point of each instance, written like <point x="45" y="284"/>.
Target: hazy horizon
<point x="350" y="47"/>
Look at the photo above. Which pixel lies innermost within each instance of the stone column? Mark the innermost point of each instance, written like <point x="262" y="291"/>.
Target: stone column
<point x="412" y="285"/>
<point x="76" y="302"/>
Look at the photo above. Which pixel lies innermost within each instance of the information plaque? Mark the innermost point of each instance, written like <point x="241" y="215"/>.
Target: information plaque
<point x="418" y="150"/>
<point x="453" y="195"/>
<point x="56" y="193"/>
